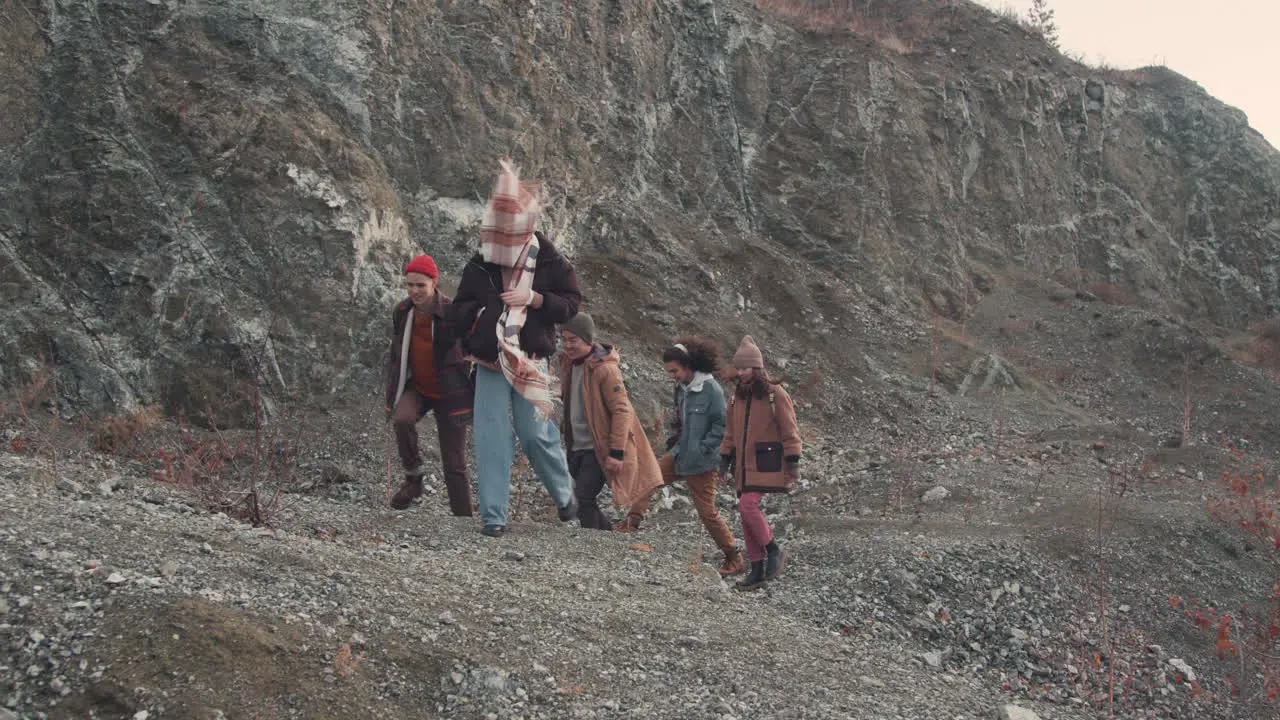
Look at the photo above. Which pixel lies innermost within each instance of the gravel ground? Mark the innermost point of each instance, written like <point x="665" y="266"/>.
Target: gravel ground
<point x="122" y="598"/>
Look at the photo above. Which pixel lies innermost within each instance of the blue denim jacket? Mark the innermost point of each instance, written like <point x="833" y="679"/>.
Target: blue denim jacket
<point x="702" y="418"/>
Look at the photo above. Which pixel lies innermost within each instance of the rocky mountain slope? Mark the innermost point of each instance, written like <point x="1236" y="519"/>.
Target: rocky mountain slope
<point x="201" y="193"/>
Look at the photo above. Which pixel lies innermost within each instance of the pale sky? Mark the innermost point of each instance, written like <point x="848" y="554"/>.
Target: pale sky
<point x="1229" y="47"/>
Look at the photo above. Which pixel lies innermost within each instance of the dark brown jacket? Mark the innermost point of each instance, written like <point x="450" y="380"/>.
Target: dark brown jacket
<point x="478" y="304"/>
<point x="453" y="370"/>
<point x="762" y="436"/>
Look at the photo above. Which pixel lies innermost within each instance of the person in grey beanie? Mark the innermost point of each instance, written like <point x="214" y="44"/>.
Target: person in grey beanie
<point x="604" y="440"/>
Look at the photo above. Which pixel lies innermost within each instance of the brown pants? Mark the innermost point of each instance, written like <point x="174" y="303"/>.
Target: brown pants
<point x="703" y="489"/>
<point x="453" y="448"/>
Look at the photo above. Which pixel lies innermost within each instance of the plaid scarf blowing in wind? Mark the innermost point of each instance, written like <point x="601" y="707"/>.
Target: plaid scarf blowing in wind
<point x="507" y="240"/>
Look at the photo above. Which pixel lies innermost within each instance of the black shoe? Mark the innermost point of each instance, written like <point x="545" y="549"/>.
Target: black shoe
<point x="773" y="562"/>
<point x="570" y="511"/>
<point x="494" y="530"/>
<point x="754" y="579"/>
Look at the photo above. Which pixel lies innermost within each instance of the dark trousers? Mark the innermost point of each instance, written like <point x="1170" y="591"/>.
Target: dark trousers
<point x="588" y="481"/>
<point x="453" y="447"/>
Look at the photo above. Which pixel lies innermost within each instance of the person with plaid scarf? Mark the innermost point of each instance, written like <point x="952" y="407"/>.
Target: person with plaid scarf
<point x="512" y="294"/>
<point x="426" y="372"/>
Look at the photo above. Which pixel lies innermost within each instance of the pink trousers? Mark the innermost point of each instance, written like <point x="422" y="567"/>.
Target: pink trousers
<point x="756" y="532"/>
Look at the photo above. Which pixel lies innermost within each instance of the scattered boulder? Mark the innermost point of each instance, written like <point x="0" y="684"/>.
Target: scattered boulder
<point x="935" y="494"/>
<point x="1014" y="712"/>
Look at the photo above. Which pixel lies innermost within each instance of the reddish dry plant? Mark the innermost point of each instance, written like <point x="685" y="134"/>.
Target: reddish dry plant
<point x="16" y="412"/>
<point x="1186" y="400"/>
<point x="1013" y="328"/>
<point x="900" y="485"/>
<point x="1248" y="503"/>
<point x="1110" y="293"/>
<point x="810" y="390"/>
<point x="126" y="435"/>
<point x="345" y="662"/>
<point x="852" y="17"/>
<point x="246" y="478"/>
<point x="1015" y="354"/>
<point x="1073" y="278"/>
<point x="1266" y="343"/>
<point x="1053" y="373"/>
<point x="935" y="343"/>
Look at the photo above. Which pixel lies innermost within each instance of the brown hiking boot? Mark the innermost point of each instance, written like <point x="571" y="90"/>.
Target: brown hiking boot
<point x="408" y="492"/>
<point x="629" y="524"/>
<point x="732" y="564"/>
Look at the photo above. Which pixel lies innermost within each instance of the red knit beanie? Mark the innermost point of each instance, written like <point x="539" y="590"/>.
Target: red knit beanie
<point x="422" y="264"/>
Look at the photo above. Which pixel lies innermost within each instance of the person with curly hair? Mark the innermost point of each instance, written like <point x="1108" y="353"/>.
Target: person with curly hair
<point x="761" y="452"/>
<point x="697" y="422"/>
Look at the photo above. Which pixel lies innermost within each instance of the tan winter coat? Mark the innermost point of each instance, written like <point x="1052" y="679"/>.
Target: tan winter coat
<point x="761" y="435"/>
<point x="613" y="423"/>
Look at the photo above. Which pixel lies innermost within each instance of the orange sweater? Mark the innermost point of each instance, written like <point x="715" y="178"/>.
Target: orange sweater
<point x="421" y="359"/>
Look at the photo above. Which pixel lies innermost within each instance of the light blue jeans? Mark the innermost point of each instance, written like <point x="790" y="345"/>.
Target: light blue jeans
<point x="497" y="404"/>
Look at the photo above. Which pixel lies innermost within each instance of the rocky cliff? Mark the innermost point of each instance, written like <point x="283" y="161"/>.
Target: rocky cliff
<point x="200" y="193"/>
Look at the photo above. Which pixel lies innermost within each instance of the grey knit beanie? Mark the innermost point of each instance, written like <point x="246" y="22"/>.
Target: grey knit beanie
<point x="581" y="325"/>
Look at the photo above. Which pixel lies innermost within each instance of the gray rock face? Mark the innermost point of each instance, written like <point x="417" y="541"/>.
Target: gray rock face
<point x="198" y="195"/>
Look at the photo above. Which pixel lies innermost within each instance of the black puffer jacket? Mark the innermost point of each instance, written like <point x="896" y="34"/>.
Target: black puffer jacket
<point x="474" y="312"/>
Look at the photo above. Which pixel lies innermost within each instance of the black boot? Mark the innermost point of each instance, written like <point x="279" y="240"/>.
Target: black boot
<point x="775" y="558"/>
<point x="754" y="579"/>
<point x="411" y="490"/>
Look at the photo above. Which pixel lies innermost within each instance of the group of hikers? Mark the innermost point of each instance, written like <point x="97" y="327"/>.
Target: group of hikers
<point x="483" y="358"/>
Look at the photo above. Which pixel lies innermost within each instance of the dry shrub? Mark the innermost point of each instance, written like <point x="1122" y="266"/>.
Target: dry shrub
<point x="1013" y="328"/>
<point x="1071" y="277"/>
<point x="1053" y="373"/>
<point x="1246" y="639"/>
<point x="811" y="389"/>
<point x="346" y="662"/>
<point x="952" y="332"/>
<point x="1110" y="293"/>
<point x="1266" y="343"/>
<point x="244" y="475"/>
<point x="1015" y="354"/>
<point x="856" y="17"/>
<point x="126" y="434"/>
<point x="25" y="426"/>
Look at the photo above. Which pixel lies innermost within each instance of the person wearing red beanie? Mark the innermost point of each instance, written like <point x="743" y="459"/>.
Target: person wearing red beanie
<point x="427" y="372"/>
<point x="422" y="265"/>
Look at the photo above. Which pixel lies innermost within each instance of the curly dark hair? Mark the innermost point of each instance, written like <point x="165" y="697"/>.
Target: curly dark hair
<point x="698" y="355"/>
